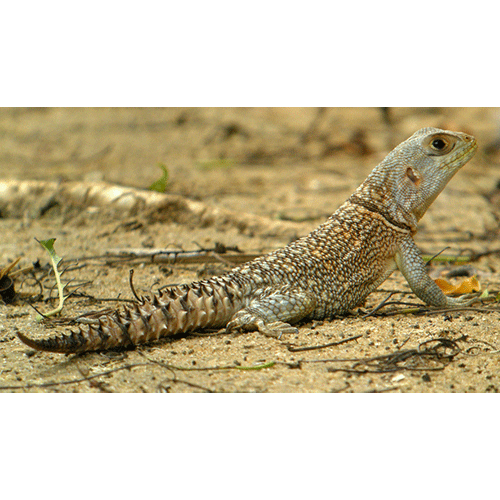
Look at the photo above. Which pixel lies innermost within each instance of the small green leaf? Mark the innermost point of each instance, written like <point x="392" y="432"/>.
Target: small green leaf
<point x="161" y="184"/>
<point x="484" y="295"/>
<point x="48" y="245"/>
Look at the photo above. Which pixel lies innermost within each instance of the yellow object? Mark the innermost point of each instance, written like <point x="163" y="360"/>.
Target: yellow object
<point x="468" y="285"/>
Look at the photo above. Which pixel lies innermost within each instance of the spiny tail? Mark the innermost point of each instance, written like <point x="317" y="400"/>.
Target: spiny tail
<point x="203" y="304"/>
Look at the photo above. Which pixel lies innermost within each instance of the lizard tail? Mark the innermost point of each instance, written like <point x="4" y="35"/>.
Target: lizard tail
<point x="204" y="304"/>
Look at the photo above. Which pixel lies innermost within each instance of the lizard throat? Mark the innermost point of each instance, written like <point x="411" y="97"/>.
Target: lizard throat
<point x="372" y="207"/>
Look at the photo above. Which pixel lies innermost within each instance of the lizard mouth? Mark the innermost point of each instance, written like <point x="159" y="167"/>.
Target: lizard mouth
<point x="462" y="156"/>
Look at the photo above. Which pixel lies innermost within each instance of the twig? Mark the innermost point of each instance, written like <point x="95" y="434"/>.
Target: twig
<point x="131" y="283"/>
<point x="201" y="256"/>
<point x="108" y="372"/>
<point x="461" y="309"/>
<point x="382" y="304"/>
<point x="76" y="381"/>
<point x="322" y="346"/>
<point x="24" y="270"/>
<point x="427" y="310"/>
<point x="135" y="365"/>
<point x="5" y="271"/>
<point x="394" y="361"/>
<point x="430" y="259"/>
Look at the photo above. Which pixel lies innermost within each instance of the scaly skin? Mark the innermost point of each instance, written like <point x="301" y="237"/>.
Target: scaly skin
<point x="322" y="275"/>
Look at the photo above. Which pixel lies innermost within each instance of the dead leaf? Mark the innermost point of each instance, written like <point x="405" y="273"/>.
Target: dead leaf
<point x="5" y="271"/>
<point x="468" y="285"/>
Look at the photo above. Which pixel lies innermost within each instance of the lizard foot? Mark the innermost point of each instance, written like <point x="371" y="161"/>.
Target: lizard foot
<point x="276" y="329"/>
<point x="250" y="322"/>
<point x="464" y="300"/>
<point x="273" y="310"/>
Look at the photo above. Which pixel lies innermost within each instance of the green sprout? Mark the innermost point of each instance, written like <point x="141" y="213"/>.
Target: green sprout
<point x="55" y="259"/>
<point x="161" y="184"/>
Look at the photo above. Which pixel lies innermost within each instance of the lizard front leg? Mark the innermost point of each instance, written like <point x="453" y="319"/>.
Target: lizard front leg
<point x="412" y="266"/>
<point x="272" y="311"/>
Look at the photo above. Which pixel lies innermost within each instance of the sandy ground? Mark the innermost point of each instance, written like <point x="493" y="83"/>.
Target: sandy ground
<point x="288" y="168"/>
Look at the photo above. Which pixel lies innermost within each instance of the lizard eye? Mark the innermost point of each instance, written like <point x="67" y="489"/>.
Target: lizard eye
<point x="438" y="145"/>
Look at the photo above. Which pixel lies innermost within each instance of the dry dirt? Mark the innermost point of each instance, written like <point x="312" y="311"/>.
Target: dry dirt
<point x="288" y="169"/>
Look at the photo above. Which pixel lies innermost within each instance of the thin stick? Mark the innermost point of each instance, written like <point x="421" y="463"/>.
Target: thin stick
<point x="431" y="258"/>
<point x="322" y="346"/>
<point x="131" y="283"/>
<point x="382" y="304"/>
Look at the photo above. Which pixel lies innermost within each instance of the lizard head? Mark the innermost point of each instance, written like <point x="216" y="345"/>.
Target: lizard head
<point x="412" y="175"/>
<point x="437" y="155"/>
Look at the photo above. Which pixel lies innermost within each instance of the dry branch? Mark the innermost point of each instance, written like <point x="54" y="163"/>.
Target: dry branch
<point x="33" y="197"/>
<point x="177" y="256"/>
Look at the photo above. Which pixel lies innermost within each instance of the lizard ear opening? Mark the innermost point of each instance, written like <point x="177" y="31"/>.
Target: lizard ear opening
<point x="410" y="173"/>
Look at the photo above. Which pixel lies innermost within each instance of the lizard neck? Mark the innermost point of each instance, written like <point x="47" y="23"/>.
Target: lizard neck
<point x="377" y="195"/>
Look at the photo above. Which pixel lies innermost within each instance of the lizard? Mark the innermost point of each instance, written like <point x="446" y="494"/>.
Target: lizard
<point x="319" y="276"/>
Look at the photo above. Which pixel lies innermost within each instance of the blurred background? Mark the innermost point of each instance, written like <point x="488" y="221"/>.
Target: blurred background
<point x="113" y="143"/>
<point x="294" y="155"/>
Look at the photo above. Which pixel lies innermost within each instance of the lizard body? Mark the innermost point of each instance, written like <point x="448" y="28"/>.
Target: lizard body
<point x="322" y="275"/>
